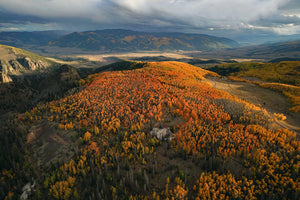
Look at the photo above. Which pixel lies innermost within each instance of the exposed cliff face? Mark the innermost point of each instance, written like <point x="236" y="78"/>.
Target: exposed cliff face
<point x="22" y="66"/>
<point x="30" y="64"/>
<point x="4" y="78"/>
<point x="16" y="62"/>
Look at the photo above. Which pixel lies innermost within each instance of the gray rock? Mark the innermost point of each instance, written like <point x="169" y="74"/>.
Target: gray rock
<point x="27" y="190"/>
<point x="162" y="134"/>
<point x="4" y="78"/>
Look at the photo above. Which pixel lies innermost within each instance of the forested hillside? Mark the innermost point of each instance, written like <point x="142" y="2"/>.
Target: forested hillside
<point x="126" y="41"/>
<point x="156" y="131"/>
<point x="287" y="72"/>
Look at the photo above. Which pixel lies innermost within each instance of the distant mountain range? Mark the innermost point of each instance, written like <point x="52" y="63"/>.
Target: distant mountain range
<point x="281" y="51"/>
<point x="119" y="40"/>
<point x="126" y="40"/>
<point x="275" y="48"/>
<point x="22" y="39"/>
<point x="115" y="40"/>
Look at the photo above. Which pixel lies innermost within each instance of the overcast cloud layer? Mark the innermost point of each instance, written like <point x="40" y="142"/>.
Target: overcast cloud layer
<point x="280" y="16"/>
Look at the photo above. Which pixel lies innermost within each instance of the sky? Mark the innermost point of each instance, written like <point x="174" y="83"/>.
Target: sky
<point x="216" y="17"/>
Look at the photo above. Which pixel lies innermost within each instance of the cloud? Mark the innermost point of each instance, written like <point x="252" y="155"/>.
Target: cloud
<point x="176" y="14"/>
<point x="193" y="12"/>
<point x="291" y="7"/>
<point x="287" y="29"/>
<point x="52" y="8"/>
<point x="203" y="12"/>
<point x="29" y="27"/>
<point x="7" y="17"/>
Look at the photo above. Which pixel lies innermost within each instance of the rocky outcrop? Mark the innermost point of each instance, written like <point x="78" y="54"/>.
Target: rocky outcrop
<point x="162" y="134"/>
<point x="32" y="65"/>
<point x="4" y="67"/>
<point x="27" y="191"/>
<point x="17" y="66"/>
<point x="22" y="66"/>
<point x="4" y="78"/>
<point x="17" y="62"/>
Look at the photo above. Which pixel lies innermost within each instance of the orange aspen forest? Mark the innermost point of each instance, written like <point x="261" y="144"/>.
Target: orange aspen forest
<point x="218" y="147"/>
<point x="150" y="100"/>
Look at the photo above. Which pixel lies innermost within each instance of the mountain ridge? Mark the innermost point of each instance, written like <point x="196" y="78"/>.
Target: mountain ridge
<point x="127" y="40"/>
<point x="21" y="39"/>
<point x="277" y="50"/>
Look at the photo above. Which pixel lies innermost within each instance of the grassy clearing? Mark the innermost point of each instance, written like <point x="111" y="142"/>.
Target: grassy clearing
<point x="282" y="77"/>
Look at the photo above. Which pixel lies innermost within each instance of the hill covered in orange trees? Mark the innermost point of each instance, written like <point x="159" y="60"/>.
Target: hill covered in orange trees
<point x="157" y="131"/>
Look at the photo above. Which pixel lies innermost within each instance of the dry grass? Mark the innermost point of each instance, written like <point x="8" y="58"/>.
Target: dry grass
<point x="272" y="101"/>
<point x="104" y="57"/>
